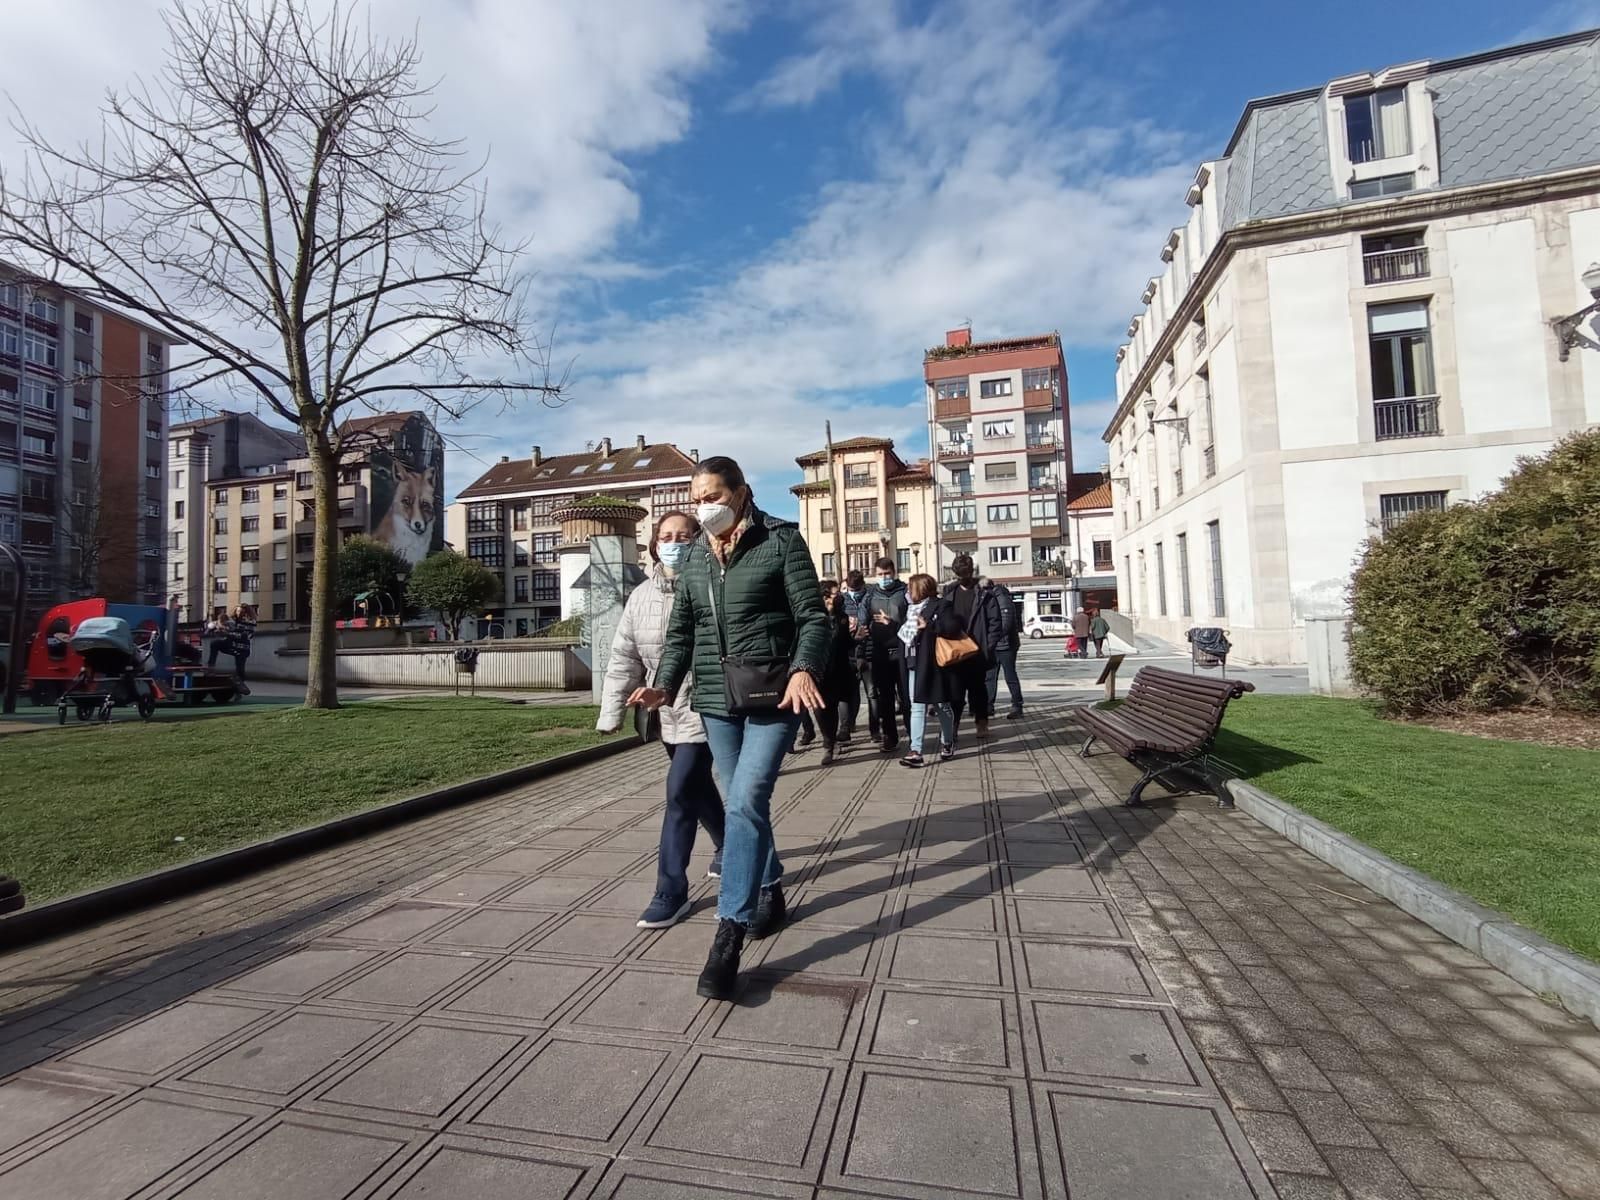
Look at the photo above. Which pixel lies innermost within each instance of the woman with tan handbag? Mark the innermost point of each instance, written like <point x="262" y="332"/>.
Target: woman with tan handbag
<point x="937" y="648"/>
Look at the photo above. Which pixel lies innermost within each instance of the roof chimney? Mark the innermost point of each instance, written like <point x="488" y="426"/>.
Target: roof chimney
<point x="538" y="456"/>
<point x="694" y="455"/>
<point x="638" y="442"/>
<point x="958" y="337"/>
<point x="605" y="447"/>
<point x="505" y="458"/>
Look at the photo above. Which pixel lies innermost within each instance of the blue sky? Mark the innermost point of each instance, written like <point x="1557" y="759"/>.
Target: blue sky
<point x="746" y="217"/>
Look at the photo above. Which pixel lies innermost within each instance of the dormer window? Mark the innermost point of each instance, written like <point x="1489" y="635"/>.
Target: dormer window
<point x="1376" y="125"/>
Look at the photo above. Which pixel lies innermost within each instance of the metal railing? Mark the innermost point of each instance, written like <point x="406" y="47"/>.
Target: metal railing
<point x="1177" y="482"/>
<point x="1209" y="457"/>
<point x="860" y="481"/>
<point x="960" y="449"/>
<point x="1043" y="441"/>
<point x="1407" y="417"/>
<point x="1200" y="339"/>
<point x="1395" y="266"/>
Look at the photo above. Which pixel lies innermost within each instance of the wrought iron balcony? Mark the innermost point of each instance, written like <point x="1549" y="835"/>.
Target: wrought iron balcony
<point x="1396" y="266"/>
<point x="1407" y="417"/>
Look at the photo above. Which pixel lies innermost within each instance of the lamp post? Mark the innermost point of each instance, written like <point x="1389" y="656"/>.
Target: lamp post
<point x="916" y="556"/>
<point x="19" y="596"/>
<point x="1567" y="328"/>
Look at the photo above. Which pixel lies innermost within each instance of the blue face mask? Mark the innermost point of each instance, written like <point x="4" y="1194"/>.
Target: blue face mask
<point x="886" y="582"/>
<point x="672" y="554"/>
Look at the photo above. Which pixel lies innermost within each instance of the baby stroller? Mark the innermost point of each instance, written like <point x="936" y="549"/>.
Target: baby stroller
<point x="115" y="671"/>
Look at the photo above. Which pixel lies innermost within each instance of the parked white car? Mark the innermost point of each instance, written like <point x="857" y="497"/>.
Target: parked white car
<point x="1047" y="625"/>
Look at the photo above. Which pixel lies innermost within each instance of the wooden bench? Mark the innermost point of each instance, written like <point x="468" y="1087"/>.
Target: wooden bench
<point x="1167" y="725"/>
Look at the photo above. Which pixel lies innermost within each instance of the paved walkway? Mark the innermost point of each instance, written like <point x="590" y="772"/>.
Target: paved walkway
<point x="1000" y="983"/>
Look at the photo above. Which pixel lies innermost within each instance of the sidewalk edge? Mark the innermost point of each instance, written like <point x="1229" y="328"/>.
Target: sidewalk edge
<point x="69" y="914"/>
<point x="1531" y="959"/>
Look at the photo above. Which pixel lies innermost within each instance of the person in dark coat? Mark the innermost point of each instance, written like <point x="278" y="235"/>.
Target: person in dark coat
<point x="839" y="676"/>
<point x="886" y="608"/>
<point x="854" y="598"/>
<point x="980" y="620"/>
<point x="928" y="619"/>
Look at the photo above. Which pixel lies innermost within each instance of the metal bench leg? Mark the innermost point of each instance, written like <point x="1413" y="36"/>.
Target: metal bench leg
<point x="1087" y="742"/>
<point x="1134" y="797"/>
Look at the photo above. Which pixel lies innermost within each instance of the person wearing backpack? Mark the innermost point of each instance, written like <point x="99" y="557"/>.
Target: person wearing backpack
<point x="1005" y="655"/>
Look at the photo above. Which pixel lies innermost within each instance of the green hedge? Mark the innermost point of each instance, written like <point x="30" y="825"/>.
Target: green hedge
<point x="1489" y="604"/>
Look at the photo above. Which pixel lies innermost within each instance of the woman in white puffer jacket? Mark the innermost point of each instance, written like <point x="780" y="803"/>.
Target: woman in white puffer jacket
<point x="692" y="796"/>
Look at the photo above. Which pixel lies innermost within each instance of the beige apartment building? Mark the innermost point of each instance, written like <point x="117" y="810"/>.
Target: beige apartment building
<point x="260" y="529"/>
<point x="888" y="509"/>
<point x="506" y="519"/>
<point x="1372" y="309"/>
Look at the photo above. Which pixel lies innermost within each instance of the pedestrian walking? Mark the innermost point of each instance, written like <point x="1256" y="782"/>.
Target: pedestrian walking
<point x="1006" y="654"/>
<point x="886" y="609"/>
<point x="748" y="620"/>
<point x="231" y="634"/>
<point x="1099" y="627"/>
<point x="692" y="798"/>
<point x="839" y="677"/>
<point x="968" y="684"/>
<point x="855" y="607"/>
<point x="1080" y="630"/>
<point x="928" y="617"/>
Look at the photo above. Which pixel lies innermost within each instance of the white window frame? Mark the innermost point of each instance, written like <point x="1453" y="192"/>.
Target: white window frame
<point x="1008" y="513"/>
<point x="1005" y="556"/>
<point x="1004" y="428"/>
<point x="993" y="389"/>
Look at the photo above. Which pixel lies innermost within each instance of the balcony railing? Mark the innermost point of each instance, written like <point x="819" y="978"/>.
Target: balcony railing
<point x="1045" y="483"/>
<point x="1043" y="441"/>
<point x="1208" y="456"/>
<point x="1411" y="416"/>
<point x="860" y="481"/>
<point x="1396" y="266"/>
<point x="958" y="528"/>
<point x="1200" y="339"/>
<point x="862" y="526"/>
<point x="954" y="490"/>
<point x="956" y="449"/>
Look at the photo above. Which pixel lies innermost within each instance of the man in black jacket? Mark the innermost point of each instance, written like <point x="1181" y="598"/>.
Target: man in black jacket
<point x="886" y="608"/>
<point x="980" y="616"/>
<point x="1005" y="659"/>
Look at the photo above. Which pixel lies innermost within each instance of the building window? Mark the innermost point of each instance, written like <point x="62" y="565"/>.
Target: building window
<point x="280" y="520"/>
<point x="1102" y="554"/>
<point x="280" y="581"/>
<point x="1044" y="511"/>
<point x="490" y="551"/>
<point x="990" y="388"/>
<point x="1039" y="379"/>
<point x="668" y="499"/>
<point x="544" y="547"/>
<point x="250" y="554"/>
<point x="280" y="612"/>
<point x="1394" y="507"/>
<point x="827" y="520"/>
<point x="1376" y="126"/>
<point x="39" y="395"/>
<point x="1002" y="513"/>
<point x="1404" y="401"/>
<point x="302" y="480"/>
<point x="999" y="470"/>
<point x="519" y="554"/>
<point x="1040" y="434"/>
<point x="519" y="517"/>
<point x="249" y="524"/>
<point x="484" y="518"/>
<point x="39" y="349"/>
<point x="249" y="495"/>
<point x="830" y="566"/>
<point x="221" y="499"/>
<point x="958" y="516"/>
<point x="999" y="429"/>
<point x="902" y="515"/>
<point x="950" y="389"/>
<point x="177" y="479"/>
<point x="1387" y="185"/>
<point x="861" y="555"/>
<point x="304" y="543"/>
<point x="152" y="470"/>
<point x="861" y="516"/>
<point x="280" y="552"/>
<point x="219" y="587"/>
<point x="80" y="452"/>
<point x="902" y="561"/>
<point x="1219" y="599"/>
<point x="250" y="583"/>
<point x="152" y="430"/>
<point x="1161" y="580"/>
<point x="1394" y="257"/>
<point x="220" y="554"/>
<point x="999" y="555"/>
<point x="519" y="589"/>
<point x="280" y="491"/>
<point x="219" y="525"/>
<point x="860" y="476"/>
<point x="349" y="475"/>
<point x="82" y="410"/>
<point x="960" y="482"/>
<point x="1041" y="477"/>
<point x="177" y="510"/>
<point x="83" y="322"/>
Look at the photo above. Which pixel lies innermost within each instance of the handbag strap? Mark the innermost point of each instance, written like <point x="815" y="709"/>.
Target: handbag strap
<point x="711" y="591"/>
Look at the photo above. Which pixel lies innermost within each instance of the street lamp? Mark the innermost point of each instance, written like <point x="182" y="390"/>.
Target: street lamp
<point x="1152" y="420"/>
<point x="916" y="555"/>
<point x="1566" y="328"/>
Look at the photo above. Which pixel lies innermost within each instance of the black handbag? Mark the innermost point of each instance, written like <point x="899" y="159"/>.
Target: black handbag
<point x="749" y="683"/>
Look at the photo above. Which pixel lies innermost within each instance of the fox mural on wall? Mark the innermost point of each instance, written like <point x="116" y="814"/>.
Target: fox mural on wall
<point x="408" y="490"/>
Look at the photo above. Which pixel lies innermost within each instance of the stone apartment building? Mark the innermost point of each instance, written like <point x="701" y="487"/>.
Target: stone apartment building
<point x="997" y="421"/>
<point x="1360" y="319"/>
<point x="506" y="518"/>
<point x="83" y="417"/>
<point x="888" y="508"/>
<point x="259" y="529"/>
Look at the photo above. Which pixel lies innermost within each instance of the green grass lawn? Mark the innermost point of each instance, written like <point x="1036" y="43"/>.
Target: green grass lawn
<point x="1514" y="825"/>
<point x="81" y="807"/>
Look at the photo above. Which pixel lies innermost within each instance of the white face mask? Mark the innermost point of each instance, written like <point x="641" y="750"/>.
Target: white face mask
<point x="672" y="554"/>
<point x="716" y="519"/>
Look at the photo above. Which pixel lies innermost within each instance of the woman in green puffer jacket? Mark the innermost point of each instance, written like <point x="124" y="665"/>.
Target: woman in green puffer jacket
<point x="748" y="594"/>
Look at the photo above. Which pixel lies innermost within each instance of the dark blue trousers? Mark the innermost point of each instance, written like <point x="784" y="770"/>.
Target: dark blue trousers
<point x="692" y="799"/>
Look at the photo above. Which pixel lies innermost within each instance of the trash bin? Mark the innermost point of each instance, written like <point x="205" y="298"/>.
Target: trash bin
<point x="1208" y="648"/>
<point x="467" y="664"/>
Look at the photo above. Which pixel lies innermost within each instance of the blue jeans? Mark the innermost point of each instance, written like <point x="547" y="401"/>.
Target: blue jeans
<point x="692" y="800"/>
<point x="749" y="752"/>
<point x="919" y="720"/>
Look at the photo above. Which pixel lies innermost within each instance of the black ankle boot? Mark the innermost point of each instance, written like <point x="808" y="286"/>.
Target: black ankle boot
<point x="771" y="912"/>
<point x="827" y="753"/>
<point x="720" y="978"/>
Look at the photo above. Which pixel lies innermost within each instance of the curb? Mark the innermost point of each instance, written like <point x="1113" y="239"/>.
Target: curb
<point x="72" y="913"/>
<point x="1532" y="960"/>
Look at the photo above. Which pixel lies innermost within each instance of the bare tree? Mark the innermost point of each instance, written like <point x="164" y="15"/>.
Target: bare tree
<point x="87" y="531"/>
<point x="274" y="201"/>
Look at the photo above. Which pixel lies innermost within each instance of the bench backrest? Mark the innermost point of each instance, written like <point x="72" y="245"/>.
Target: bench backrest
<point x="1190" y="704"/>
